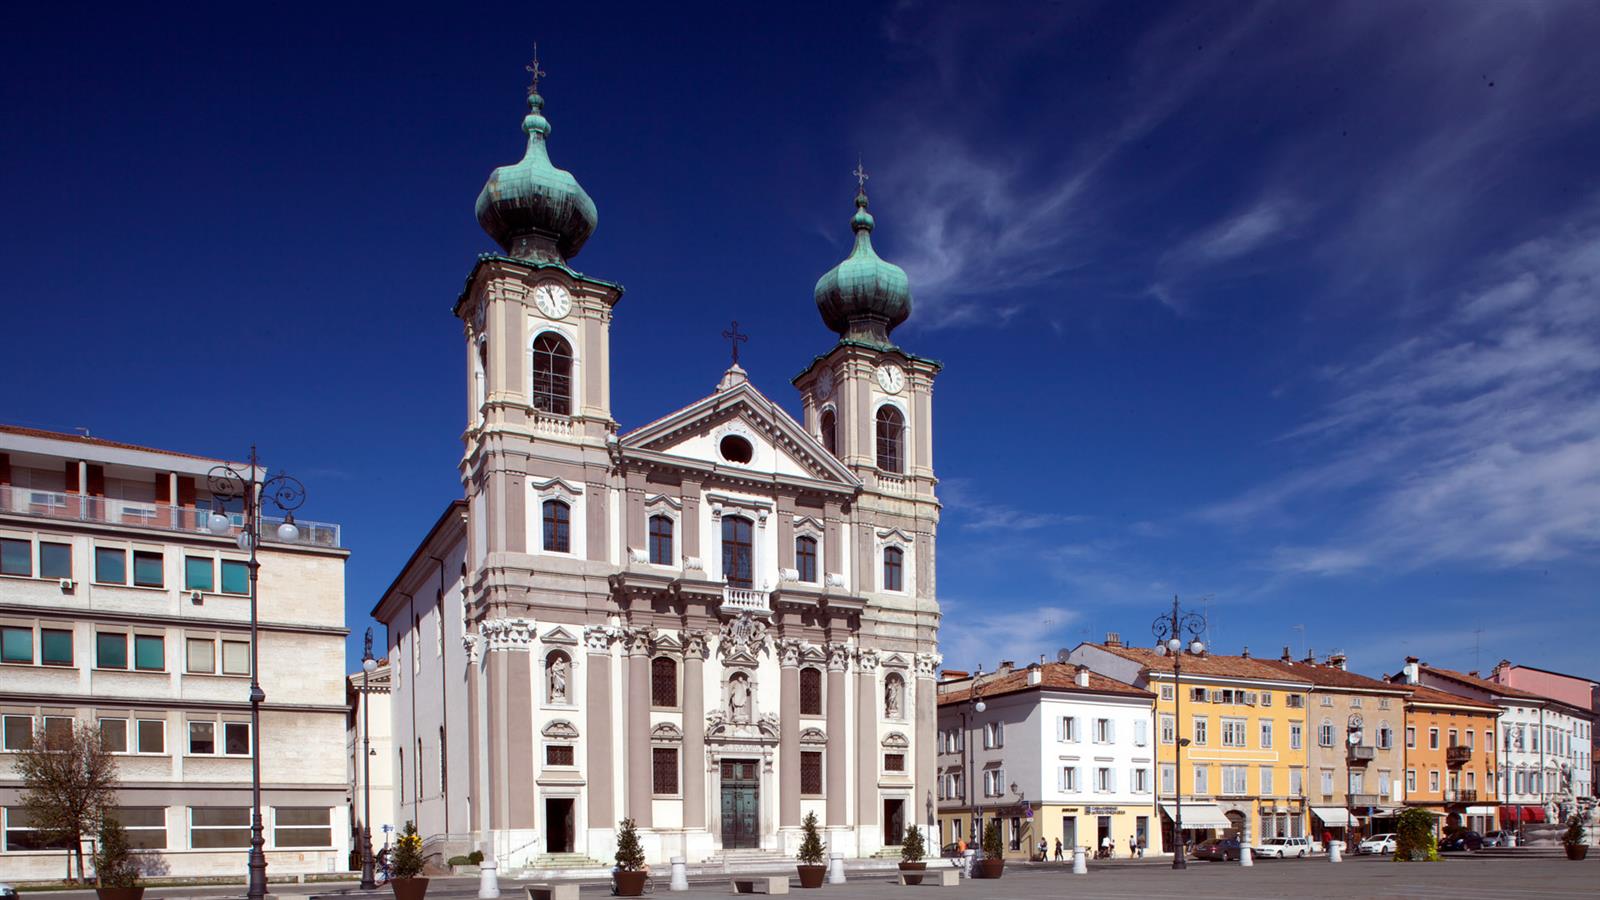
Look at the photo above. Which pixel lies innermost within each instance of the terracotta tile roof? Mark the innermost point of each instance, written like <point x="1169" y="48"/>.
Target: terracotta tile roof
<point x="1210" y="664"/>
<point x="1421" y="693"/>
<point x="1324" y="675"/>
<point x="1483" y="684"/>
<point x="1055" y="676"/>
<point x="97" y="442"/>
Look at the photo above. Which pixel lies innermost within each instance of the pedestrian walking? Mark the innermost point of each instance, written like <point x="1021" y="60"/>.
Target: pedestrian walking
<point x="1133" y="846"/>
<point x="1141" y="848"/>
<point x="1107" y="847"/>
<point x="1058" y="850"/>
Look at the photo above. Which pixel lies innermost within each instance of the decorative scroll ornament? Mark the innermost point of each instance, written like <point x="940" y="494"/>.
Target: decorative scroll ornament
<point x="838" y="657"/>
<point x="640" y="641"/>
<point x="789" y="653"/>
<point x="508" y="634"/>
<point x="561" y="729"/>
<point x="666" y="731"/>
<point x="927" y="664"/>
<point x="867" y="660"/>
<point x="598" y="638"/>
<point x="742" y="637"/>
<point x="473" y="644"/>
<point x="813" y="736"/>
<point x="720" y="727"/>
<point x="695" y="645"/>
<point x="895" y="741"/>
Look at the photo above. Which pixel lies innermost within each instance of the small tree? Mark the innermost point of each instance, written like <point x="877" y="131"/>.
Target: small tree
<point x="69" y="780"/>
<point x="993" y="844"/>
<point x="811" y="849"/>
<point x="1413" y="840"/>
<point x="1575" y="836"/>
<point x="114" y="864"/>
<point x="407" y="860"/>
<point x="911" y="848"/>
<point x="630" y="856"/>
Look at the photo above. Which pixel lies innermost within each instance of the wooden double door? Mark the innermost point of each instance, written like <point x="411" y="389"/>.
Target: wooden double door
<point x="741" y="804"/>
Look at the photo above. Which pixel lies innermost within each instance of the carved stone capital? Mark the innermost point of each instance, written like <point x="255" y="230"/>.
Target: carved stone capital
<point x="789" y="653"/>
<point x="598" y="638"/>
<point x="927" y="664"/>
<point x="696" y="645"/>
<point x="473" y="644"/>
<point x="867" y="661"/>
<point x="640" y="641"/>
<point x="508" y="634"/>
<point x="838" y="657"/>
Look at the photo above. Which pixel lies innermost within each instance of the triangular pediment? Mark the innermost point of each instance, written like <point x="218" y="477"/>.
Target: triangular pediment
<point x="779" y="445"/>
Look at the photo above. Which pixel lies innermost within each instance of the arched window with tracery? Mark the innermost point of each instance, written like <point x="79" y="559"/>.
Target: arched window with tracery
<point x="826" y="429"/>
<point x="805" y="558"/>
<point x="893" y="567"/>
<point x="738" y="552"/>
<point x="661" y="540"/>
<point x="891" y="439"/>
<point x="557" y="526"/>
<point x="810" y="692"/>
<point x="552" y="374"/>
<point x="664" y="682"/>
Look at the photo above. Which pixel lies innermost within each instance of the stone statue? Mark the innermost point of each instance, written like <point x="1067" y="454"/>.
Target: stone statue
<point x="739" y="699"/>
<point x="558" y="679"/>
<point x="891" y="698"/>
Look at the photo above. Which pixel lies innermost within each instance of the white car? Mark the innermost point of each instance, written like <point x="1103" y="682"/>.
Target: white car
<point x="1279" y="848"/>
<point x="1378" y="843"/>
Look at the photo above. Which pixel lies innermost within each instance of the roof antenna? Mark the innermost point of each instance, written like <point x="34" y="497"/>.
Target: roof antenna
<point x="81" y="429"/>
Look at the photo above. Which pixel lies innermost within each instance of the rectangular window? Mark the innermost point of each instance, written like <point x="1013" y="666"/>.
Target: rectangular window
<point x="1234" y="780"/>
<point x="114" y="735"/>
<point x="17" y="732"/>
<point x="1200" y="731"/>
<point x="1453" y="737"/>
<point x="1327" y="782"/>
<point x="16" y="644"/>
<point x="1266" y="781"/>
<point x="1168" y="779"/>
<point x="1433" y="782"/>
<point x="110" y="565"/>
<point x="235" y="577"/>
<point x="148" y="569"/>
<point x="16" y="557"/>
<point x="202" y="656"/>
<point x="55" y="560"/>
<point x="1266" y="698"/>
<point x="1102" y="780"/>
<point x="1068" y="730"/>
<point x="1433" y="738"/>
<point x="1069" y="779"/>
<point x="1294" y="701"/>
<point x="1140" y="732"/>
<point x="236" y="738"/>
<point x="1141" y="780"/>
<point x="1166" y="692"/>
<point x="152" y="734"/>
<point x="202" y="738"/>
<point x="146" y="826"/>
<point x="1169" y="730"/>
<point x="810" y="772"/>
<point x="560" y="755"/>
<point x="198" y="574"/>
<point x="21" y="835"/>
<point x="1355" y="781"/>
<point x="302" y="826"/>
<point x="1103" y="733"/>
<point x="894" y="762"/>
<point x="805" y="559"/>
<point x="1411" y="737"/>
<point x="57" y="730"/>
<point x="236" y="657"/>
<point x="149" y="652"/>
<point x="55" y="647"/>
<point x="1297" y="783"/>
<point x="664" y="770"/>
<point x="1201" y="780"/>
<point x="110" y="650"/>
<point x="219" y="827"/>
<point x="1233" y="732"/>
<point x="1266" y="734"/>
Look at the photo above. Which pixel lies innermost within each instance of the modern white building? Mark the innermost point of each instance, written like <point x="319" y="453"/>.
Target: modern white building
<point x="1057" y="753"/>
<point x="121" y="610"/>
<point x="371" y="716"/>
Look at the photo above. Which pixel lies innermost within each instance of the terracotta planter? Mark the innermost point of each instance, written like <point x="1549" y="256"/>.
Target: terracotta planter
<point x="913" y="871"/>
<point x="991" y="867"/>
<point x="409" y="888"/>
<point x="811" y="876"/>
<point x="1577" y="851"/>
<point x="120" y="893"/>
<point x="630" y="884"/>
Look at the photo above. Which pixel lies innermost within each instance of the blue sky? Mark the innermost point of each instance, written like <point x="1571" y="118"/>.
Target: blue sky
<point x="1289" y="310"/>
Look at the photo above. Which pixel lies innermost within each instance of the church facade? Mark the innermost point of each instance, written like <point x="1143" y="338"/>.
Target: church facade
<point x="714" y="623"/>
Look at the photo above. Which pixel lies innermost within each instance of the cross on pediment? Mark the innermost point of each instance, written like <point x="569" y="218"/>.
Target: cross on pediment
<point x="734" y="339"/>
<point x="534" y="70"/>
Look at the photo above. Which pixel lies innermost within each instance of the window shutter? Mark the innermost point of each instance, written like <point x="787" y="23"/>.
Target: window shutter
<point x="1111" y="780"/>
<point x="1111" y="731"/>
<point x="1061" y="729"/>
<point x="1139" y="732"/>
<point x="1061" y="779"/>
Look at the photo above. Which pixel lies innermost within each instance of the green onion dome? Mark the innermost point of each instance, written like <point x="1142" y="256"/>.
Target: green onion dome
<point x="864" y="297"/>
<point x="532" y="209"/>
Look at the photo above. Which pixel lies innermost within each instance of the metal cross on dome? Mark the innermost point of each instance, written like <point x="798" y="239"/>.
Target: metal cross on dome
<point x="534" y="70"/>
<point x="861" y="176"/>
<point x="734" y="339"/>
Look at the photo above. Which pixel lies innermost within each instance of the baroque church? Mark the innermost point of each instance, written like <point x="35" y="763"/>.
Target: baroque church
<point x="714" y="623"/>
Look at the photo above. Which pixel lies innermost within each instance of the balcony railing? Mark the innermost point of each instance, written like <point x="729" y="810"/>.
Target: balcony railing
<point x="1461" y="796"/>
<point x="1362" y="755"/>
<point x="1360" y="801"/>
<point x="1457" y="755"/>
<point x="737" y="600"/>
<point x="68" y="507"/>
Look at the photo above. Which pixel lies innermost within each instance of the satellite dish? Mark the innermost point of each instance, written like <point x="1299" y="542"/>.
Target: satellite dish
<point x="1062" y="654"/>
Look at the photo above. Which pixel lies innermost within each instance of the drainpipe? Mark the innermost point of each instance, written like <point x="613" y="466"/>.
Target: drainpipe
<point x="444" y="704"/>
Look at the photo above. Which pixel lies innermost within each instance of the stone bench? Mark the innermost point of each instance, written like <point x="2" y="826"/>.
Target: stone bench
<point x="943" y="876"/>
<point x="758" y="884"/>
<point x="552" y="892"/>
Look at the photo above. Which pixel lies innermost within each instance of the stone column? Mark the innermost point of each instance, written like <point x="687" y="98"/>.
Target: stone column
<point x="694" y="731"/>
<point x="789" y="735"/>
<point x="597" y="707"/>
<point x="866" y="738"/>
<point x="638" y="734"/>
<point x="838" y="663"/>
<point x="926" y="735"/>
<point x="511" y="762"/>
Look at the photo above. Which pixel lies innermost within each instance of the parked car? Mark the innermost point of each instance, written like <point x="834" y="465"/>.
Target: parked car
<point x="7" y="892"/>
<point x="1461" y="842"/>
<point x="1378" y="843"/>
<point x="1281" y="847"/>
<point x="1498" y="839"/>
<point x="1218" y="850"/>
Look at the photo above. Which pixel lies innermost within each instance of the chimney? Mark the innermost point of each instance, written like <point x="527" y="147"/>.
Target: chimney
<point x="1287" y="656"/>
<point x="1035" y="674"/>
<point x="1081" y="676"/>
<point x="1473" y="674"/>
<point x="1245" y="653"/>
<point x="1006" y="665"/>
<point x="1337" y="660"/>
<point x="953" y="675"/>
<point x="1411" y="670"/>
<point x="1311" y="657"/>
<point x="1113" y="639"/>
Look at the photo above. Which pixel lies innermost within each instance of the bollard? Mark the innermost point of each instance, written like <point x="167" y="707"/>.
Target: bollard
<point x="488" y="882"/>
<point x="680" y="875"/>
<point x="1245" y="856"/>
<point x="1080" y="862"/>
<point x="836" y="868"/>
<point x="1333" y="851"/>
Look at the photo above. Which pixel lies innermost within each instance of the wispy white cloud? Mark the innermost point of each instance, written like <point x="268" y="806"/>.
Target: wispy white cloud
<point x="983" y="632"/>
<point x="969" y="508"/>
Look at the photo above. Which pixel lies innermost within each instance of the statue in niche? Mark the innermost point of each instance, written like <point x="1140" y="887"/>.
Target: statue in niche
<point x="739" y="699"/>
<point x="892" y="689"/>
<point x="558" y="678"/>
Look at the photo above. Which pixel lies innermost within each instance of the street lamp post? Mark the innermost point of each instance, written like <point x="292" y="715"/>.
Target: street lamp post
<point x="975" y="705"/>
<point x="1170" y="630"/>
<point x="285" y="492"/>
<point x="368" y="665"/>
<point x="1352" y="740"/>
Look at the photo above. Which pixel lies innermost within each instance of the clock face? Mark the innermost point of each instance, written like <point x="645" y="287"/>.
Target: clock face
<point x="891" y="378"/>
<point x="825" y="384"/>
<point x="553" y="300"/>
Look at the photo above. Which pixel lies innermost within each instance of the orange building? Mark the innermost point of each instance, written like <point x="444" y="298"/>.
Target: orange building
<point x="1450" y="755"/>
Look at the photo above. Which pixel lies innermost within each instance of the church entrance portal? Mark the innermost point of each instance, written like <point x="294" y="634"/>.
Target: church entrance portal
<point x="559" y="833"/>
<point x="894" y="822"/>
<point x="741" y="804"/>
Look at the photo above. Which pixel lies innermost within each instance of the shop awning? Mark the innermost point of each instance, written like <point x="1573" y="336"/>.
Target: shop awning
<point x="1481" y="810"/>
<point x="1332" y="816"/>
<point x="1198" y="815"/>
<point x="1533" y="815"/>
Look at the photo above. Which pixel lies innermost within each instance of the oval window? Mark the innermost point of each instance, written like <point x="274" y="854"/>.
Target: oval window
<point x="736" y="449"/>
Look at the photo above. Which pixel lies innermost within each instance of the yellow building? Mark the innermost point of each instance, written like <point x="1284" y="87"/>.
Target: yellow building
<point x="1231" y="738"/>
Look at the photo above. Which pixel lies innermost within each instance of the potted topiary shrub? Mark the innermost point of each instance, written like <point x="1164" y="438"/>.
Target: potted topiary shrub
<point x="1413" y="839"/>
<point x="1574" y="840"/>
<point x="993" y="863"/>
<point x="405" y="865"/>
<point x="911" y="853"/>
<point x="810" y="856"/>
<point x="629" y="875"/>
<point x="115" y="868"/>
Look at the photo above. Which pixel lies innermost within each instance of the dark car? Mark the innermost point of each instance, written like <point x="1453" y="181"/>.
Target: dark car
<point x="1461" y="842"/>
<point x="1218" y="850"/>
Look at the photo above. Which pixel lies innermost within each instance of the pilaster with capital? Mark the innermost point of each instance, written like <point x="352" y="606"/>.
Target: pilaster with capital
<point x="695" y="650"/>
<point x="838" y="728"/>
<point x="926" y="727"/>
<point x="597" y="707"/>
<point x="866" y="737"/>
<point x="640" y="645"/>
<point x="789" y="733"/>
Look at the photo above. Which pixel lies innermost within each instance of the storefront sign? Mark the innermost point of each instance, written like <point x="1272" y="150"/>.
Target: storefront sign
<point x="1104" y="811"/>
